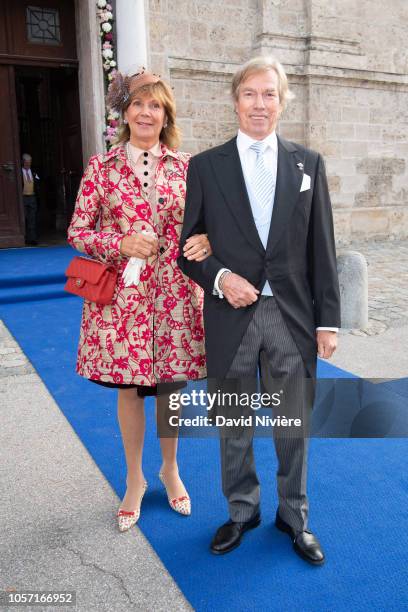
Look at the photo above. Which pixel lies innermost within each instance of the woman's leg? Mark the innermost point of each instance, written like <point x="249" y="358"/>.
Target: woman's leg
<point x="168" y="436"/>
<point x="131" y="418"/>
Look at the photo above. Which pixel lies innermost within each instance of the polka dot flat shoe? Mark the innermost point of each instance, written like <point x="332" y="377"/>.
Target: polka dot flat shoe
<point x="182" y="505"/>
<point x="126" y="519"/>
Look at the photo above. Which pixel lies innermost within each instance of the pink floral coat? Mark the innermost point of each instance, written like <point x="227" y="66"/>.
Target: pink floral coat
<point x="153" y="331"/>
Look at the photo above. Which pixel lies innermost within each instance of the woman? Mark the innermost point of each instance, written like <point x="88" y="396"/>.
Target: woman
<point x="153" y="330"/>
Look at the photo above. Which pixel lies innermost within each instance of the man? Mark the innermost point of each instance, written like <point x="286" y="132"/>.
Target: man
<point x="271" y="287"/>
<point x="30" y="191"/>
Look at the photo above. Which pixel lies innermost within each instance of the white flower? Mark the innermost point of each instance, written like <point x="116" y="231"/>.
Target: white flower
<point x="113" y="64"/>
<point x="106" y="27"/>
<point x="102" y="3"/>
<point x="107" y="53"/>
<point x="108" y="15"/>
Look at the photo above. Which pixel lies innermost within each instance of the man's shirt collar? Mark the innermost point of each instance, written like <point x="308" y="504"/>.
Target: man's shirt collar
<point x="244" y="142"/>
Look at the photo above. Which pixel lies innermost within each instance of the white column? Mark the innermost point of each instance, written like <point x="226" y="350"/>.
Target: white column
<point x="131" y="34"/>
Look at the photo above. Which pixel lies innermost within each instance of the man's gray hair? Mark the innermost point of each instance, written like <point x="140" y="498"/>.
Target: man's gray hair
<point x="27" y="156"/>
<point x="263" y="63"/>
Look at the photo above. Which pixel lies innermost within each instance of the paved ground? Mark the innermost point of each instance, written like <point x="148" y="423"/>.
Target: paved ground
<point x="57" y="524"/>
<point x="44" y="467"/>
<point x="388" y="285"/>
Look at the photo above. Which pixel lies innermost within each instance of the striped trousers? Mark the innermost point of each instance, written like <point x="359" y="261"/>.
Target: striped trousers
<point x="269" y="346"/>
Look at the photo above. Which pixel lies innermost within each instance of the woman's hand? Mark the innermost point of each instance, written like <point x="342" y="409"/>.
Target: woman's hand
<point x="197" y="248"/>
<point x="139" y="245"/>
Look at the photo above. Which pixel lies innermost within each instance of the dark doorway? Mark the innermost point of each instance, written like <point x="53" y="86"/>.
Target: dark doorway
<point x="50" y="131"/>
<point x="39" y="115"/>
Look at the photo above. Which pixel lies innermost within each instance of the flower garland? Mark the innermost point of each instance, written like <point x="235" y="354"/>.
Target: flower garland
<point x="105" y="15"/>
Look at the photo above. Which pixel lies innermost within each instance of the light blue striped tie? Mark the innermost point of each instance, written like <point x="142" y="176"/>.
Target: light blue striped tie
<point x="262" y="181"/>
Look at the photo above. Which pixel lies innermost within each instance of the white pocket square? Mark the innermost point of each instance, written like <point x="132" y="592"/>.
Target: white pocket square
<point x="305" y="183"/>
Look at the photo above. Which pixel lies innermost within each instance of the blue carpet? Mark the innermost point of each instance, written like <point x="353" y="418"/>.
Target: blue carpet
<point x="33" y="274"/>
<point x="27" y="266"/>
<point x="358" y="490"/>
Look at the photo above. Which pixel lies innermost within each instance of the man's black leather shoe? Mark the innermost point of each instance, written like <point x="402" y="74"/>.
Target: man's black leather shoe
<point x="305" y="543"/>
<point x="229" y="535"/>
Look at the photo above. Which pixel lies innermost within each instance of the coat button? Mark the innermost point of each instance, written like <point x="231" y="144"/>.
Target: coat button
<point x="161" y="200"/>
<point x="162" y="249"/>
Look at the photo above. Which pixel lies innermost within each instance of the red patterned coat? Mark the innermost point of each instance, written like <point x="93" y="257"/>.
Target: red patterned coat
<point x="154" y="331"/>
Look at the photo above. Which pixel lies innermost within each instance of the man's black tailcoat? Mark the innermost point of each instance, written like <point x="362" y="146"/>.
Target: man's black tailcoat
<point x="299" y="261"/>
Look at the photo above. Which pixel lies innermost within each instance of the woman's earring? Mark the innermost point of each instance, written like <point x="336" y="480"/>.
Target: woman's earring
<point x="125" y="121"/>
<point x="165" y="124"/>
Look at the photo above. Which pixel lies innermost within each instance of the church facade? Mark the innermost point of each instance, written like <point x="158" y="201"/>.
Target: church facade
<point x="347" y="68"/>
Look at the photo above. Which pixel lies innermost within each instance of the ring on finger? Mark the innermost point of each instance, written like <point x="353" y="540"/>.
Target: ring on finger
<point x="205" y="251"/>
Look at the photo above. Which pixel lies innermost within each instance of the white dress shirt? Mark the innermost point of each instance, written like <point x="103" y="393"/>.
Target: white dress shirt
<point x="263" y="217"/>
<point x="248" y="156"/>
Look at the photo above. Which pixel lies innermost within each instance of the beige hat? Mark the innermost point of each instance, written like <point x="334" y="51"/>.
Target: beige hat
<point x="121" y="87"/>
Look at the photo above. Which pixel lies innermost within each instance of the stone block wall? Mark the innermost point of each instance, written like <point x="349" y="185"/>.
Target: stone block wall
<point x="365" y="148"/>
<point x="347" y="68"/>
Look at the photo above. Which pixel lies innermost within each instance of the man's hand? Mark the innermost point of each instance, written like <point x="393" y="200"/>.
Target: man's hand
<point x="139" y="245"/>
<point x="326" y="343"/>
<point x="238" y="291"/>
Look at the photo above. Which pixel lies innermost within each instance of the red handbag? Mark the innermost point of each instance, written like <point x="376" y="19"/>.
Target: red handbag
<point x="91" y="279"/>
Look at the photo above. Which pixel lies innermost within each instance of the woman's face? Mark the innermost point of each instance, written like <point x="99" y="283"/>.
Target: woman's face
<point x="146" y="117"/>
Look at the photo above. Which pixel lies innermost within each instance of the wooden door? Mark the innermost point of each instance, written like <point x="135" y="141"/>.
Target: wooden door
<point x="11" y="212"/>
<point x="45" y="31"/>
<point x="69" y="139"/>
<point x="40" y="35"/>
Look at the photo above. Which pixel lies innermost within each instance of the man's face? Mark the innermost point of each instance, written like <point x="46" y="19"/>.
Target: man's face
<point x="26" y="163"/>
<point x="258" y="106"/>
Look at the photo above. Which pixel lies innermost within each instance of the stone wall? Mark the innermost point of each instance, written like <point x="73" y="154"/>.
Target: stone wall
<point x="198" y="46"/>
<point x="347" y="67"/>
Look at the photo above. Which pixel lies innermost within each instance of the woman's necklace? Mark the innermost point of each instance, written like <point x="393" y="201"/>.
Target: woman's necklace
<point x="130" y="156"/>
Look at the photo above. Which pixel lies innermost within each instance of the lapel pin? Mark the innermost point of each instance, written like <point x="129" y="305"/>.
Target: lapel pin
<point x="300" y="166"/>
